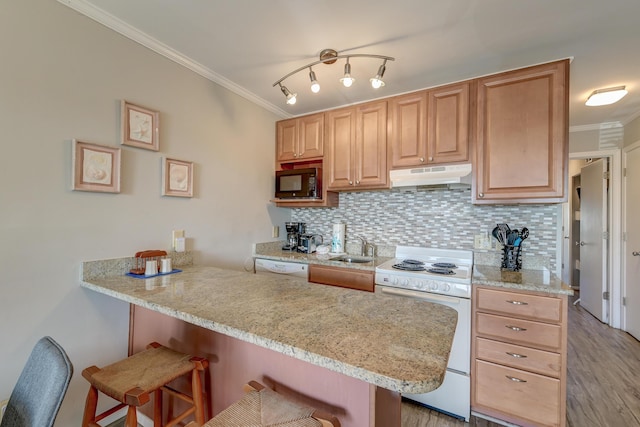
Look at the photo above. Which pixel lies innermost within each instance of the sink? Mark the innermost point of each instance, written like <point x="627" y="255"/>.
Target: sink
<point x="352" y="259"/>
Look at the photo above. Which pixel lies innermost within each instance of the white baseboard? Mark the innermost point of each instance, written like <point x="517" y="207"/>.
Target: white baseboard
<point x="143" y="420"/>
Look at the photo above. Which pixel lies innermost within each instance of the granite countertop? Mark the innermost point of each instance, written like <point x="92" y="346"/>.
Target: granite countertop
<point x="525" y="280"/>
<point x="364" y="335"/>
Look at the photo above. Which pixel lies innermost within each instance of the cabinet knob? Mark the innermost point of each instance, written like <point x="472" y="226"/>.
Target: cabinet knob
<point x="421" y="159"/>
<point x="350" y="182"/>
<point x="514" y="302"/>
<point x="357" y="182"/>
<point x="481" y="195"/>
<point x="295" y="154"/>
<point x="514" y="379"/>
<point x="635" y="253"/>
<point x="515" y="328"/>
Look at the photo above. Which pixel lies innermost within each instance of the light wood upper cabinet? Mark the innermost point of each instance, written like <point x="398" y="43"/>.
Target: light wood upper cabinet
<point x="522" y="136"/>
<point x="300" y="138"/>
<point x="448" y="124"/>
<point x="356" y="139"/>
<point x="430" y="127"/>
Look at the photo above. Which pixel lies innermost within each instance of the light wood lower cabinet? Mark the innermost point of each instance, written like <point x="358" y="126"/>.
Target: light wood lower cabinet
<point x="519" y="352"/>
<point x="344" y="277"/>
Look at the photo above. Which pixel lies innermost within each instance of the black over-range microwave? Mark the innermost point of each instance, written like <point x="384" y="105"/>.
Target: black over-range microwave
<point x="299" y="183"/>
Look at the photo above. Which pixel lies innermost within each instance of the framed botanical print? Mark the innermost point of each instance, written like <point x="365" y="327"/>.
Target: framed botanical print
<point x="177" y="178"/>
<point x="95" y="167"/>
<point x="140" y="126"/>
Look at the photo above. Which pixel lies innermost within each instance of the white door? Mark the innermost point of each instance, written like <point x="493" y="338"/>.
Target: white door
<point x="631" y="290"/>
<point x="593" y="245"/>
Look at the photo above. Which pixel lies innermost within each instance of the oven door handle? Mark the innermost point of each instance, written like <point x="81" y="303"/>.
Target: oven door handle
<point x="426" y="296"/>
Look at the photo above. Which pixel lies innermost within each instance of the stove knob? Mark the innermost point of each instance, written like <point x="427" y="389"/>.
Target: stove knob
<point x="446" y="287"/>
<point x="394" y="280"/>
<point x="404" y="282"/>
<point x="433" y="286"/>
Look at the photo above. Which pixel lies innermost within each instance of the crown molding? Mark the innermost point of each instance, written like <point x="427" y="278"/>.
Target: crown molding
<point x="89" y="10"/>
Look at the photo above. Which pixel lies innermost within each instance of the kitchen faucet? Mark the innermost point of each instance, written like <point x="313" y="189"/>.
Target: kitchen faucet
<point x="363" y="243"/>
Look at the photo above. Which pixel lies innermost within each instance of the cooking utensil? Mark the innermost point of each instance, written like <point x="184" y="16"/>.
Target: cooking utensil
<point x="496" y="233"/>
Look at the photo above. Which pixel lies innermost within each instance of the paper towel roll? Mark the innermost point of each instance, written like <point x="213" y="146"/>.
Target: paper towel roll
<point x="337" y="238"/>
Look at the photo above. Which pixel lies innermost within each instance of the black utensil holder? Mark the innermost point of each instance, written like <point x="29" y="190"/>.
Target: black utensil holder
<point x="512" y="257"/>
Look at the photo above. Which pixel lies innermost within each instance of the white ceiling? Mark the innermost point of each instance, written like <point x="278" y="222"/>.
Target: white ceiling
<point x="247" y="45"/>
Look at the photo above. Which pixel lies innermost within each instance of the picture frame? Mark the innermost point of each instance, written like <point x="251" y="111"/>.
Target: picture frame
<point x="177" y="178"/>
<point x="140" y="126"/>
<point x="95" y="167"/>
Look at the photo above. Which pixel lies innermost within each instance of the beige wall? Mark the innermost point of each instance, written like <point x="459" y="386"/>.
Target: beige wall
<point x="632" y="132"/>
<point x="62" y="76"/>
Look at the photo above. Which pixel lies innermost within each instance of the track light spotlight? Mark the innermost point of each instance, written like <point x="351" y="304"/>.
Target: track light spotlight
<point x="347" y="80"/>
<point x="315" y="86"/>
<point x="291" y="97"/>
<point x="377" y="82"/>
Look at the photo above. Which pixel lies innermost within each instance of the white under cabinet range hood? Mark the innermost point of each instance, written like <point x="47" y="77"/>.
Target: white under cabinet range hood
<point x="432" y="176"/>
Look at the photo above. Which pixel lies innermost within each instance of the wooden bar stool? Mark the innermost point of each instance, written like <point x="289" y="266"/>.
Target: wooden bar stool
<point x="131" y="381"/>
<point x="262" y="407"/>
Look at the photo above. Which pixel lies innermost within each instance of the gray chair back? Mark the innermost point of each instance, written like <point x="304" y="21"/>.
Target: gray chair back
<point x="37" y="396"/>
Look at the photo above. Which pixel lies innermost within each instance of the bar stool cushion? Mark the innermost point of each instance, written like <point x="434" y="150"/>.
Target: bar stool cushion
<point x="147" y="370"/>
<point x="265" y="408"/>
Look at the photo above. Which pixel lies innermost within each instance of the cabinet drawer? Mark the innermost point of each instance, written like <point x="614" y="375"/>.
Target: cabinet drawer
<point x="515" y="356"/>
<point x="547" y="309"/>
<point x="519" y="331"/>
<point x="531" y="397"/>
<point x="343" y="277"/>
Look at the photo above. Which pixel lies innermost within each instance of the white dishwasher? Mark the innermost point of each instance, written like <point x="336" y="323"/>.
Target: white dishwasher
<point x="272" y="267"/>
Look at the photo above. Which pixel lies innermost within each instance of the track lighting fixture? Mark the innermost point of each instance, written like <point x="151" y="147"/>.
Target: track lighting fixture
<point x="330" y="56"/>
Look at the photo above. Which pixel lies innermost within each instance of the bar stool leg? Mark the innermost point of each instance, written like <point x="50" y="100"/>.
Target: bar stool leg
<point x="157" y="408"/>
<point x="90" y="407"/>
<point x="196" y="387"/>
<point x="132" y="417"/>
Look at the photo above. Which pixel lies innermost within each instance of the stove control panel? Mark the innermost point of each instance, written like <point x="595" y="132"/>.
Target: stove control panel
<point x="462" y="290"/>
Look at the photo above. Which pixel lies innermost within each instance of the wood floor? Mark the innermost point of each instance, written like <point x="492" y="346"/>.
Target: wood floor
<point x="603" y="380"/>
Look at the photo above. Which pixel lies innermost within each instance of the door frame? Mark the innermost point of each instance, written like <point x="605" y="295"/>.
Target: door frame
<point x="614" y="225"/>
<point x="623" y="264"/>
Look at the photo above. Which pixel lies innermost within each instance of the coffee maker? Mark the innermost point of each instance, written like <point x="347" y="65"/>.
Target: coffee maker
<point x="294" y="231"/>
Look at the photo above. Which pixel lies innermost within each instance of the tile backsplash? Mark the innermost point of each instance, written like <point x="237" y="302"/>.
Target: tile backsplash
<point x="438" y="218"/>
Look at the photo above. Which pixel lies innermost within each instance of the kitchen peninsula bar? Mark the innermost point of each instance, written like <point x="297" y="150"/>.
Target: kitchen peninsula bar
<point x="355" y="351"/>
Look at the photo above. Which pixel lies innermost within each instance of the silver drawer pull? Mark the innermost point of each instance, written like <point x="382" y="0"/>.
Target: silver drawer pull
<point x="518" y="380"/>
<point x="517" y="302"/>
<point x="516" y="355"/>
<point x="515" y="328"/>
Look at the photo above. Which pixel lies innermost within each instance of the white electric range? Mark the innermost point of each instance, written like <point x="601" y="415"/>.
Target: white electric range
<point x="441" y="276"/>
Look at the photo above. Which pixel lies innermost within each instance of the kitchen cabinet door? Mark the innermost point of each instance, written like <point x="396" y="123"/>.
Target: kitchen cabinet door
<point x="522" y="136"/>
<point x="356" y="139"/>
<point x="300" y="139"/>
<point x="448" y="124"/>
<point x="430" y="127"/>
<point x="408" y="135"/>
<point x="371" y="146"/>
<point x="341" y="136"/>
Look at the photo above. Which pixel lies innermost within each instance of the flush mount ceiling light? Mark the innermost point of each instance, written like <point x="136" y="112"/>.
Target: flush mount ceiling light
<point x="606" y="96"/>
<point x="330" y="56"/>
